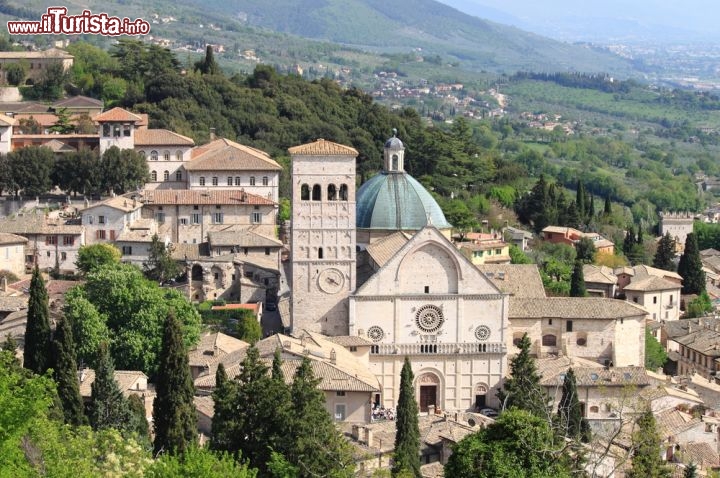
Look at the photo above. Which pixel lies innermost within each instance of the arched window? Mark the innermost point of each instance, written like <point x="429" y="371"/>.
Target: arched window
<point x="178" y="175"/>
<point x="549" y="340"/>
<point x="197" y="272"/>
<point x="202" y="181"/>
<point x="229" y="180"/>
<point x="214" y="181"/>
<point x="178" y="155"/>
<point x="332" y="192"/>
<point x="142" y="153"/>
<point x="594" y="409"/>
<point x="317" y="193"/>
<point x="252" y="180"/>
<point x="516" y="339"/>
<point x="304" y="192"/>
<point x="166" y="155"/>
<point x="166" y="176"/>
<point x="153" y="175"/>
<point x="265" y="180"/>
<point x="343" y="192"/>
<point x="237" y="180"/>
<point x="154" y="155"/>
<point x="394" y="165"/>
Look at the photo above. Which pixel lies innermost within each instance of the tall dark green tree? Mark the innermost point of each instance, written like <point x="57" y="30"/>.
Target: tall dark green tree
<point x="585" y="250"/>
<point x="208" y="65"/>
<point x="522" y="388"/>
<point x="665" y="254"/>
<point x="37" y="330"/>
<point x="577" y="281"/>
<point x="629" y="239"/>
<point x="690" y="471"/>
<point x="407" y="435"/>
<point x="224" y="421"/>
<point x="690" y="267"/>
<point x="607" y="209"/>
<point x="580" y="199"/>
<point x="173" y="409"/>
<point x="108" y="408"/>
<point x="570" y="422"/>
<point x="646" y="443"/>
<point x="65" y="373"/>
<point x="317" y="446"/>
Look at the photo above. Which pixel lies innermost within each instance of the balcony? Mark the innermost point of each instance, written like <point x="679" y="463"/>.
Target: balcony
<point x="440" y="349"/>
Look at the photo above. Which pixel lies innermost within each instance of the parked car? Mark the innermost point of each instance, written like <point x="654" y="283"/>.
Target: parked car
<point x="271" y="306"/>
<point x="489" y="412"/>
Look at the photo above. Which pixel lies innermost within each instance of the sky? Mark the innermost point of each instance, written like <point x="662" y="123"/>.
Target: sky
<point x="656" y="20"/>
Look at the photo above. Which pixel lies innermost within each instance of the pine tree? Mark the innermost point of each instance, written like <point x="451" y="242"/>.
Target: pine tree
<point x="646" y="443"/>
<point x="690" y="268"/>
<point x="224" y="421"/>
<point x="108" y="407"/>
<point x="607" y="210"/>
<point x="577" y="281"/>
<point x="522" y="388"/>
<point x="407" y="435"/>
<point x="138" y="425"/>
<point x="65" y="373"/>
<point x="580" y="199"/>
<point x="173" y="409"/>
<point x="37" y="330"/>
<point x="572" y="218"/>
<point x="665" y="254"/>
<point x="571" y="423"/>
<point x="690" y="471"/>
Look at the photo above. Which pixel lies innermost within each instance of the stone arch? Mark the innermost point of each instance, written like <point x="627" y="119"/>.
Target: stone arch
<point x="429" y="265"/>
<point x="196" y="273"/>
<point x="331" y="192"/>
<point x="304" y="192"/>
<point x="429" y="389"/>
<point x="317" y="193"/>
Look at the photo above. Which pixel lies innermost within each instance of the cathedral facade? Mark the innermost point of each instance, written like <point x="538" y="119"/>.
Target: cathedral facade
<point x="417" y="297"/>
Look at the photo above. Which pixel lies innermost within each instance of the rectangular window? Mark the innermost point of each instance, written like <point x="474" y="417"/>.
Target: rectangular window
<point x="127" y="250"/>
<point x="63" y="256"/>
<point x="218" y="218"/>
<point x="229" y="181"/>
<point x="126" y="130"/>
<point x="112" y="235"/>
<point x="340" y="393"/>
<point x="339" y="412"/>
<point x="654" y="299"/>
<point x="267" y="251"/>
<point x="202" y="181"/>
<point x="252" y="180"/>
<point x="237" y="180"/>
<point x="89" y="219"/>
<point x="256" y="218"/>
<point x="265" y="181"/>
<point x="195" y="218"/>
<point x="160" y="217"/>
<point x="100" y="234"/>
<point x="498" y="252"/>
<point x="427" y="289"/>
<point x="68" y="240"/>
<point x="183" y="221"/>
<point x="52" y="240"/>
<point x="101" y="219"/>
<point x="568" y="326"/>
<point x="214" y="181"/>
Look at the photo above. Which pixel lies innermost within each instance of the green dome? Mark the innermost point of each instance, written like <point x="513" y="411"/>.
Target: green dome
<point x="396" y="201"/>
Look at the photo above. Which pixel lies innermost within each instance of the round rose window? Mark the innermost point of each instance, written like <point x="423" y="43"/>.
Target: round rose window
<point x="482" y="332"/>
<point x="429" y="318"/>
<point x="375" y="333"/>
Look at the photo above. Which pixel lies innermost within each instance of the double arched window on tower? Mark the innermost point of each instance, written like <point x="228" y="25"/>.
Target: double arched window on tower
<point x="315" y="194"/>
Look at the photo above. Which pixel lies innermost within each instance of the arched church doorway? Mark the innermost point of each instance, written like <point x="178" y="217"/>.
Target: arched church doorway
<point x="428" y="389"/>
<point x="481" y="390"/>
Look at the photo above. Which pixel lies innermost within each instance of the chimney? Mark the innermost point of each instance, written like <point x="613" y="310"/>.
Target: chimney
<point x="4" y="284"/>
<point x="369" y="436"/>
<point x="356" y="432"/>
<point x="212" y="134"/>
<point x="333" y="357"/>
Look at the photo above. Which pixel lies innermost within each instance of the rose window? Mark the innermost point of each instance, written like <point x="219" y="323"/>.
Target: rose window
<point x="482" y="332"/>
<point x="375" y="333"/>
<point x="429" y="318"/>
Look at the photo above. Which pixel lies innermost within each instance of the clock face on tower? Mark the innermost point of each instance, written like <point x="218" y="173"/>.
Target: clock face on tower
<point x="331" y="281"/>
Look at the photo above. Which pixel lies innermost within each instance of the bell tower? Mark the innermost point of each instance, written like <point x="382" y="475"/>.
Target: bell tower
<point x="323" y="236"/>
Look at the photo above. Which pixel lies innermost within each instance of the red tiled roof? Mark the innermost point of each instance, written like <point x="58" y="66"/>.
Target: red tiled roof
<point x="323" y="148"/>
<point x="195" y="196"/>
<point x="117" y="114"/>
<point x="226" y="155"/>
<point x="78" y="101"/>
<point x="161" y="137"/>
<point x="253" y="307"/>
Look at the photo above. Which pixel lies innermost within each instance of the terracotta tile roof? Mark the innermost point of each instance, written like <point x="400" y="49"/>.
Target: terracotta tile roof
<point x="251" y="307"/>
<point x="651" y="283"/>
<point x="8" y="238"/>
<point x="205" y="404"/>
<point x="589" y="374"/>
<point x="700" y="453"/>
<point x="384" y="249"/>
<point x="38" y="224"/>
<point x="573" y="308"/>
<point x="126" y="379"/>
<point x="704" y="341"/>
<point x="49" y="53"/>
<point x="652" y="271"/>
<point x="242" y="238"/>
<point x="197" y="196"/>
<point x="518" y="280"/>
<point x="350" y="341"/>
<point x="44" y="119"/>
<point x="672" y="422"/>
<point x="121" y="203"/>
<point x="23" y="107"/>
<point x="599" y="275"/>
<point x="213" y="347"/>
<point x="161" y="137"/>
<point x="483" y="245"/>
<point x="322" y="148"/>
<point x="59" y="147"/>
<point x="226" y="155"/>
<point x="561" y="230"/>
<point x="117" y="114"/>
<point x="78" y="101"/>
<point x="6" y="120"/>
<point x="13" y="303"/>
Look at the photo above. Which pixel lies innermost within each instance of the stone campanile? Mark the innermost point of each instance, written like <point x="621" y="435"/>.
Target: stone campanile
<point x="323" y="236"/>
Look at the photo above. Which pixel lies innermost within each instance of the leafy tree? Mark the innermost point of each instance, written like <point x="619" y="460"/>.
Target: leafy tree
<point x="123" y="170"/>
<point x="31" y="170"/>
<point x="108" y="408"/>
<point x="198" y="462"/>
<point x="50" y="84"/>
<point x="570" y="421"/>
<point x="517" y="256"/>
<point x="160" y="265"/>
<point x="577" y="281"/>
<point x="78" y="172"/>
<point x="690" y="267"/>
<point x="30" y="126"/>
<point x="174" y="417"/>
<point x="522" y="388"/>
<point x="699" y="306"/>
<point x="63" y="124"/>
<point x="65" y="373"/>
<point x="37" y="329"/>
<point x="249" y="329"/>
<point x="690" y="471"/>
<point x="88" y="324"/>
<point x="15" y="73"/>
<point x="665" y="254"/>
<point x="10" y="344"/>
<point x="585" y="250"/>
<point x="459" y="215"/>
<point x="317" y="447"/>
<point x="646" y="444"/>
<point x="208" y="66"/>
<point x="655" y="355"/>
<point x="407" y="436"/>
<point x="95" y="256"/>
<point x="138" y="426"/>
<point x="518" y="445"/>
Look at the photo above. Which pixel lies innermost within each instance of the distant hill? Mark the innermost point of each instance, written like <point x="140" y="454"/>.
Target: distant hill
<point x="426" y="25"/>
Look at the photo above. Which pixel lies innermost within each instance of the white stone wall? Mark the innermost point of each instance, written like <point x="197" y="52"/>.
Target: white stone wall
<point x="46" y="254"/>
<point x="357" y="405"/>
<point x="271" y="191"/>
<point x="661" y="305"/>
<point x="5" y="139"/>
<point x="172" y="166"/>
<point x="12" y="258"/>
<point x="122" y="142"/>
<point x="115" y="222"/>
<point x="629" y="342"/>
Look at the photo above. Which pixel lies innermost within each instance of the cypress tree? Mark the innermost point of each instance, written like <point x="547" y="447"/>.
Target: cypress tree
<point x="580" y="199"/>
<point x="646" y="443"/>
<point x="65" y="373"/>
<point x="37" y="330"/>
<point x="138" y="424"/>
<point x="224" y="421"/>
<point x="173" y="409"/>
<point x="572" y="218"/>
<point x="277" y="373"/>
<point x="317" y="448"/>
<point x="690" y="267"/>
<point x="629" y="241"/>
<point x="607" y="210"/>
<point x="665" y="254"/>
<point x="407" y="435"/>
<point x="640" y="239"/>
<point x="571" y="423"/>
<point x="577" y="281"/>
<point x="591" y="208"/>
<point x="522" y="388"/>
<point x="108" y="407"/>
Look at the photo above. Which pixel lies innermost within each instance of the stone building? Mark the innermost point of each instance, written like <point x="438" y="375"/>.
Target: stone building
<point x="678" y="224"/>
<point x="12" y="253"/>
